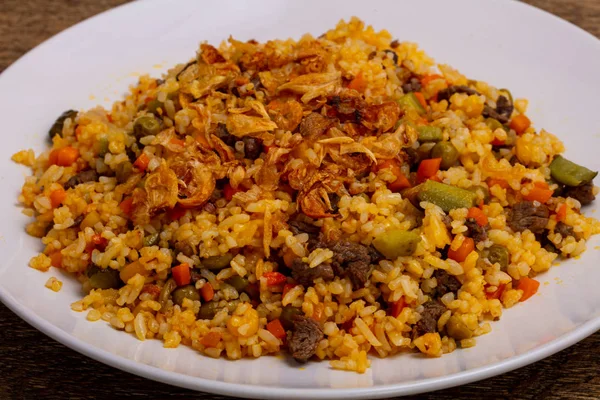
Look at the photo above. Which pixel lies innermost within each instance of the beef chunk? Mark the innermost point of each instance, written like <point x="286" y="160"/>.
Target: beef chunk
<point x="413" y="85"/>
<point x="446" y="283"/>
<point x="306" y="336"/>
<point x="252" y="147"/>
<point x="315" y="125"/>
<point x="432" y="311"/>
<point x="305" y="275"/>
<point x="298" y="227"/>
<point x="445" y="94"/>
<point x="476" y="231"/>
<point x="584" y="193"/>
<point x="82" y="177"/>
<point x="353" y="260"/>
<point x="564" y="229"/>
<point x="527" y="215"/>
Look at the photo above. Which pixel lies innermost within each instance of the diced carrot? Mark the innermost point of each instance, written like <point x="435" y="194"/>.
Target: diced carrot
<point x="207" y="292"/>
<point x="397" y="307"/>
<point x="229" y="191"/>
<point x="498" y="142"/>
<point x="428" y="78"/>
<point x="56" y="259"/>
<point x="319" y="312"/>
<point x="57" y="197"/>
<point x="274" y="278"/>
<point x="538" y="194"/>
<point x="529" y="287"/>
<point x="53" y="157"/>
<point x="358" y="83"/>
<point x="421" y="99"/>
<point x="110" y="118"/>
<point x="266" y="148"/>
<point x="276" y="329"/>
<point x="176" y="212"/>
<point x="435" y="178"/>
<point x="401" y="182"/>
<point x="496" y="294"/>
<point x="478" y="215"/>
<point x="287" y="287"/>
<point x="182" y="274"/>
<point x="428" y="168"/>
<point x="211" y="339"/>
<point x="126" y="204"/>
<point x="497" y="181"/>
<point x="99" y="242"/>
<point x="142" y="162"/>
<point x="67" y="156"/>
<point x="520" y="123"/>
<point x="541" y="184"/>
<point x="561" y="214"/>
<point x="460" y="254"/>
<point x="177" y="142"/>
<point x="132" y="269"/>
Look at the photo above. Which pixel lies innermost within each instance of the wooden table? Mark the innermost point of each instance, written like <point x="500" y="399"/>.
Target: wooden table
<point x="33" y="365"/>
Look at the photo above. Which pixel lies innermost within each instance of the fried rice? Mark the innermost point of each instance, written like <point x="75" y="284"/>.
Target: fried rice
<point x="332" y="197"/>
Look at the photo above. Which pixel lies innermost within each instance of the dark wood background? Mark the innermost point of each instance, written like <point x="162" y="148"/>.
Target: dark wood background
<point x="33" y="365"/>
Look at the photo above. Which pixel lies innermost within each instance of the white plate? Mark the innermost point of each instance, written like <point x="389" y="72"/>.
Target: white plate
<point x="509" y="44"/>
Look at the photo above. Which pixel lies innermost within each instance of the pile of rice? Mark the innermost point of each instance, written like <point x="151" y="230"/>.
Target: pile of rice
<point x="234" y="87"/>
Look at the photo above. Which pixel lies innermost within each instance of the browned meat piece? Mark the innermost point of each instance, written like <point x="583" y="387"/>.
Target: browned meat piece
<point x="527" y="215"/>
<point x="475" y="231"/>
<point x="82" y="177"/>
<point x="305" y="275"/>
<point x="315" y="125"/>
<point x="252" y="147"/>
<point x="298" y="227"/>
<point x="445" y="94"/>
<point x="222" y="133"/>
<point x="446" y="283"/>
<point x="584" y="193"/>
<point x="504" y="107"/>
<point x="306" y="336"/>
<point x="353" y="260"/>
<point x="564" y="229"/>
<point x="432" y="311"/>
<point x="395" y="58"/>
<point x="413" y="85"/>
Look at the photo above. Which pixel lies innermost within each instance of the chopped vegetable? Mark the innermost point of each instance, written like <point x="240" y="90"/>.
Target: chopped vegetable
<point x="478" y="215"/>
<point x="496" y="181"/>
<point x="397" y="307"/>
<point x="151" y="240"/>
<point x="397" y="243"/>
<point x="528" y="286"/>
<point x="276" y="329"/>
<point x="181" y="274"/>
<point x="66" y="156"/>
<point x="520" y="123"/>
<point x="274" y="278"/>
<point x="57" y="127"/>
<point x="538" y="194"/>
<point x="457" y="329"/>
<point x="176" y="212"/>
<point x="56" y="259"/>
<point x="497" y="254"/>
<point x="428" y="168"/>
<point x="287" y="287"/>
<point x="208" y="310"/>
<point x="168" y="288"/>
<point x="125" y="205"/>
<point x="57" y="197"/>
<point x="421" y="99"/>
<point x="447" y="152"/>
<point x="401" y="182"/>
<point x="146" y="125"/>
<point x="359" y="83"/>
<point x="211" y="339"/>
<point x="239" y="283"/>
<point x="229" y="191"/>
<point x="99" y="242"/>
<point x="496" y="294"/>
<point x="561" y="214"/>
<point x="131" y="270"/>
<point x="428" y="78"/>
<point x="410" y="101"/>
<point x="185" y="292"/>
<point x="103" y="278"/>
<point x="142" y="162"/>
<point x="493" y="124"/>
<point x="445" y="196"/>
<point x="287" y="316"/>
<point x="460" y="254"/>
<point x="483" y="193"/>
<point x="217" y="262"/>
<point x="207" y="292"/>
<point x="570" y="174"/>
<point x="427" y="133"/>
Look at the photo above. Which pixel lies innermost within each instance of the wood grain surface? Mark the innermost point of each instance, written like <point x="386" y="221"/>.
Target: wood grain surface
<point x="33" y="365"/>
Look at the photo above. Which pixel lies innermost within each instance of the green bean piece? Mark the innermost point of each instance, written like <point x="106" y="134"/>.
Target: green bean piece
<point x="217" y="262"/>
<point x="57" y="126"/>
<point x="151" y="240"/>
<point x="424" y="152"/>
<point x="570" y="174"/>
<point x="397" y="243"/>
<point x="146" y="125"/>
<point x="447" y="152"/>
<point x="482" y="193"/>
<point x="457" y="329"/>
<point x="287" y="316"/>
<point x="185" y="292"/>
<point x="429" y="133"/>
<point x="239" y="283"/>
<point x="445" y="196"/>
<point x="408" y="101"/>
<point x="165" y="292"/>
<point x="154" y="105"/>
<point x="104" y="278"/>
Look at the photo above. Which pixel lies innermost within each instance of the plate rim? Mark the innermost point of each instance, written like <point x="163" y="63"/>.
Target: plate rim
<point x="273" y="392"/>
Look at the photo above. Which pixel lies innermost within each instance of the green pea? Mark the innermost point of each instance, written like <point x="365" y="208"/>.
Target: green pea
<point x="447" y="152"/>
<point x="498" y="254"/>
<point x="238" y="282"/>
<point x="217" y="262"/>
<point x="151" y="240"/>
<point x="146" y="125"/>
<point x="104" y="278"/>
<point x="396" y="243"/>
<point x="424" y="151"/>
<point x="457" y="329"/>
<point x="185" y="292"/>
<point x="154" y="105"/>
<point x="166" y="291"/>
<point x="208" y="310"/>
